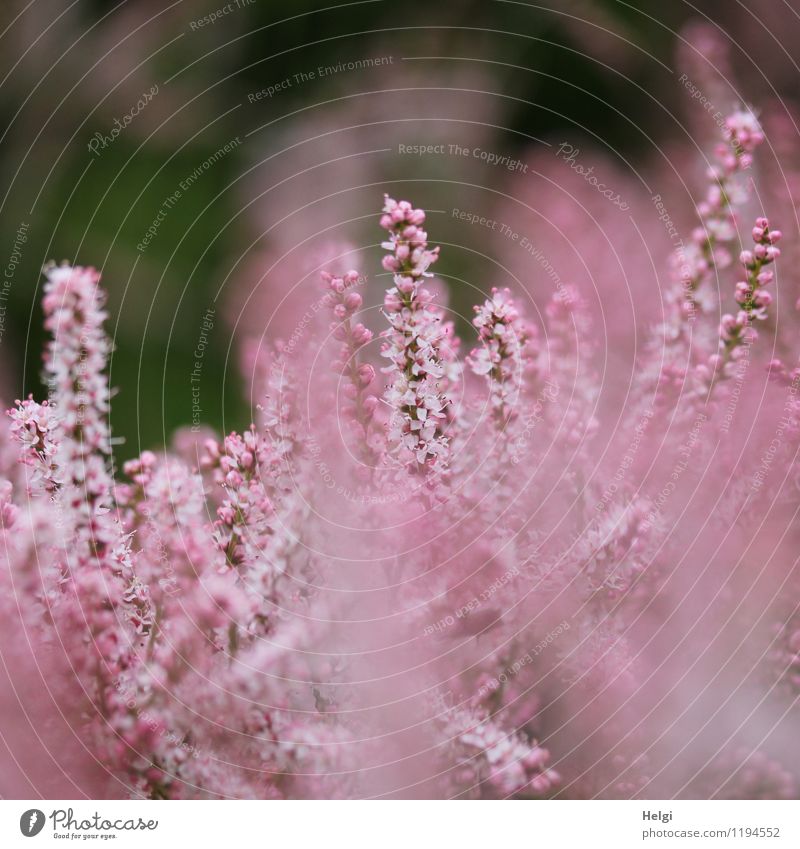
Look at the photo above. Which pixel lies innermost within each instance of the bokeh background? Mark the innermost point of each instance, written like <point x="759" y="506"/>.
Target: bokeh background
<point x="313" y="157"/>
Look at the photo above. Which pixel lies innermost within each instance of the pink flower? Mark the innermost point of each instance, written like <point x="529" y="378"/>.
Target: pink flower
<point x="500" y="358"/>
<point x="711" y="243"/>
<point x="735" y="332"/>
<point x="271" y="624"/>
<point x="413" y="345"/>
<point x="360" y="405"/>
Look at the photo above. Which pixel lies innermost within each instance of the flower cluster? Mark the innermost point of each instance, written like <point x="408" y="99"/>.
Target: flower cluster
<point x="737" y="332"/>
<point x="710" y="245"/>
<point x="413" y="343"/>
<point x="496" y="763"/>
<point x="360" y="405"/>
<point x="35" y="426"/>
<point x="97" y="602"/>
<point x="269" y="613"/>
<point x="503" y="337"/>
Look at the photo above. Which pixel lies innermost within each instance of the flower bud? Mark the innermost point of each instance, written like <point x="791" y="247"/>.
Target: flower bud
<point x="366" y="374"/>
<point x="352" y="300"/>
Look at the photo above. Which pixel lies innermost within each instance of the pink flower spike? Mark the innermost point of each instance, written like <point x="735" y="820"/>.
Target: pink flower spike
<point x="414" y="346"/>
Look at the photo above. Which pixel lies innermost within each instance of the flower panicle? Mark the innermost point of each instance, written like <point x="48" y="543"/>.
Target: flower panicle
<point x="711" y="242"/>
<point x="66" y="440"/>
<point x="36" y="427"/>
<point x="360" y="404"/>
<point x="75" y="358"/>
<point x="738" y="332"/>
<point x="507" y="761"/>
<point x="500" y="358"/>
<point x="412" y="344"/>
<point x="244" y="516"/>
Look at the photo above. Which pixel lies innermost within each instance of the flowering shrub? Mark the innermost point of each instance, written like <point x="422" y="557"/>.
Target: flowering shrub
<point x="430" y="588"/>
